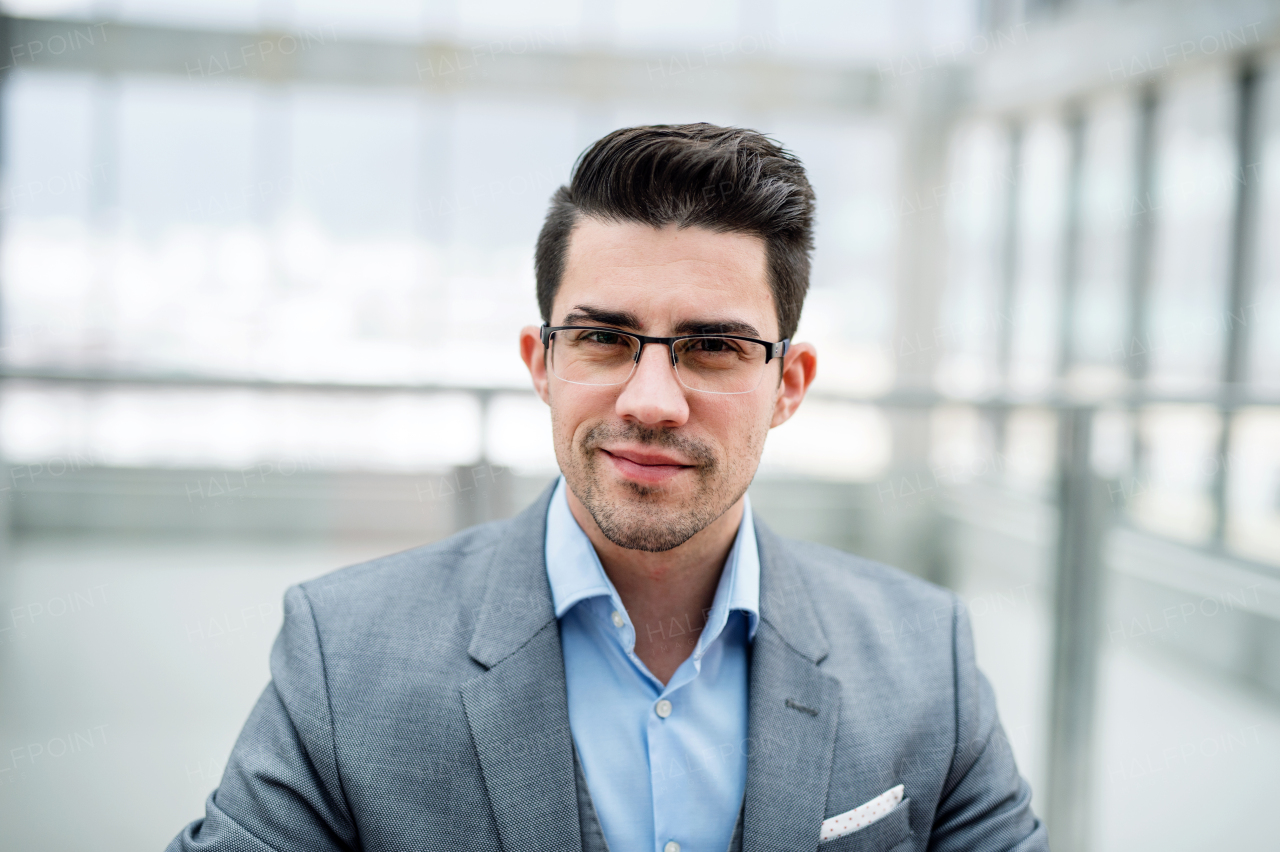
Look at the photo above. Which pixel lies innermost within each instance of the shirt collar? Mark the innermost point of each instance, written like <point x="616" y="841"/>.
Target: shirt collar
<point x="575" y="572"/>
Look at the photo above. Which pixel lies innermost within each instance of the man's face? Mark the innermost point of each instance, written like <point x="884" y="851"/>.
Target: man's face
<point x="653" y="462"/>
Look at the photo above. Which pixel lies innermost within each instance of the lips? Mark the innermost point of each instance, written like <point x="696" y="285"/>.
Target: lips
<point x="644" y="465"/>
<point x="647" y="457"/>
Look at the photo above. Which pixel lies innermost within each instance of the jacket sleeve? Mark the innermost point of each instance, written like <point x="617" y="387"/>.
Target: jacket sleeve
<point x="281" y="789"/>
<point x="985" y="803"/>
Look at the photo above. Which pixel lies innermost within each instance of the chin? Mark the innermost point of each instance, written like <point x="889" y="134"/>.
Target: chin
<point x="652" y="518"/>
<point x="655" y="532"/>
<point x="648" y="493"/>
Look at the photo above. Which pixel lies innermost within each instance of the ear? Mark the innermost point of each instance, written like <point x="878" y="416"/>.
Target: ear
<point x="799" y="367"/>
<point x="533" y="354"/>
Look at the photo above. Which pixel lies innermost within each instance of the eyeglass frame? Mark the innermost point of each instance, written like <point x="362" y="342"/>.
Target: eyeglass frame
<point x="771" y="350"/>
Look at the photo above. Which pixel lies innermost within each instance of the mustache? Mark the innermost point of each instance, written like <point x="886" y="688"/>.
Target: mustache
<point x="603" y="433"/>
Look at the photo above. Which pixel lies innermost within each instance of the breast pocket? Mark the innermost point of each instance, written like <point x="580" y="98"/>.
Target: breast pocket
<point x="890" y="834"/>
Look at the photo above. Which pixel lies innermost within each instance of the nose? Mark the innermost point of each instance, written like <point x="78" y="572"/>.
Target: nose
<point x="653" y="395"/>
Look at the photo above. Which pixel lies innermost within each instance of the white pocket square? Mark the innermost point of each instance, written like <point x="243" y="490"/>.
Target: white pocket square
<point x="861" y="816"/>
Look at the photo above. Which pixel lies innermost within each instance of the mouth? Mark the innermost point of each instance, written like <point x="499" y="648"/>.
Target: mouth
<point x="646" y="466"/>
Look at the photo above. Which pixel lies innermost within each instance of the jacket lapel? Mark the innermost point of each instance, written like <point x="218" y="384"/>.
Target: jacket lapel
<point x="793" y="711"/>
<point x="518" y="708"/>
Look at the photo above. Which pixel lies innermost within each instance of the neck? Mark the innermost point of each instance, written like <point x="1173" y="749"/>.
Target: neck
<point x="668" y="594"/>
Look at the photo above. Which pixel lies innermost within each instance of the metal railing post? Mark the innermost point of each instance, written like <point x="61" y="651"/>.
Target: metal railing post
<point x="1006" y="300"/>
<point x="1082" y="513"/>
<point x="1240" y="283"/>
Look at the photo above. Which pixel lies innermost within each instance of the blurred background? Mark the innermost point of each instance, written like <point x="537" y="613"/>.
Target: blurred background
<point x="262" y="265"/>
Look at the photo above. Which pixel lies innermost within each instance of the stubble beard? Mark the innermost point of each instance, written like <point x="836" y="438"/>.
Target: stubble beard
<point x="646" y="519"/>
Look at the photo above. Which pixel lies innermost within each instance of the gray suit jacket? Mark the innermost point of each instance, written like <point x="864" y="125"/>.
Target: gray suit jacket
<point x="418" y="702"/>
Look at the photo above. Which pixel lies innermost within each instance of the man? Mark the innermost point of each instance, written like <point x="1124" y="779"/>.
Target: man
<point x="635" y="663"/>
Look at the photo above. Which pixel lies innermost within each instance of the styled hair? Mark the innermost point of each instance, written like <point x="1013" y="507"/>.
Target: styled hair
<point x="726" y="179"/>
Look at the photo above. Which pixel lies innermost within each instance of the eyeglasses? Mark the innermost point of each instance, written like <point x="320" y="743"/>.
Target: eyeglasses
<point x="710" y="363"/>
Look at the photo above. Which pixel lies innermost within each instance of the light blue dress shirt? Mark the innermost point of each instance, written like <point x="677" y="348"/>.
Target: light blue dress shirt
<point x="664" y="764"/>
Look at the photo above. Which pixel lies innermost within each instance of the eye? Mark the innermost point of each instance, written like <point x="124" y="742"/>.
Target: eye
<point x="603" y="338"/>
<point x="714" y="345"/>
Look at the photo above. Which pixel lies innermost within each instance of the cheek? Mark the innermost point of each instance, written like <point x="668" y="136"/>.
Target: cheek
<point x="573" y="413"/>
<point x="738" y="424"/>
<point x="564" y="421"/>
<point x="761" y="423"/>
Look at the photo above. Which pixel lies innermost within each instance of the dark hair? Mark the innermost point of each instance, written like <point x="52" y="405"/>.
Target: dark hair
<point x="727" y="179"/>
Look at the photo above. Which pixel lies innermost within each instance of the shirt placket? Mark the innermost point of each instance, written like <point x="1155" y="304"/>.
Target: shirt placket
<point x="667" y="755"/>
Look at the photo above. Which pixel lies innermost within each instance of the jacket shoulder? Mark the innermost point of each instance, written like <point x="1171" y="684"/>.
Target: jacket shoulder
<point x="836" y="572"/>
<point x="876" y="615"/>
<point x="420" y="580"/>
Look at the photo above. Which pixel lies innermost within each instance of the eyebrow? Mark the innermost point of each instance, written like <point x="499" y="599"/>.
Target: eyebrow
<point x="626" y="319"/>
<point x="720" y="326"/>
<point x="604" y="316"/>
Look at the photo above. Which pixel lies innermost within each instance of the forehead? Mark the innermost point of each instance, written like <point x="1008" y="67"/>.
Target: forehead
<point x="667" y="276"/>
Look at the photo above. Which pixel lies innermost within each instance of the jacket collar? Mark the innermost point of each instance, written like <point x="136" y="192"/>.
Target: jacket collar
<point x="518" y="601"/>
<point x="785" y="601"/>
<point x="517" y="598"/>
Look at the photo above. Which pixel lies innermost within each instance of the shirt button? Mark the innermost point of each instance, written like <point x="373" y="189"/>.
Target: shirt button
<point x="671" y="846"/>
<point x="617" y="618"/>
<point x="663" y="709"/>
